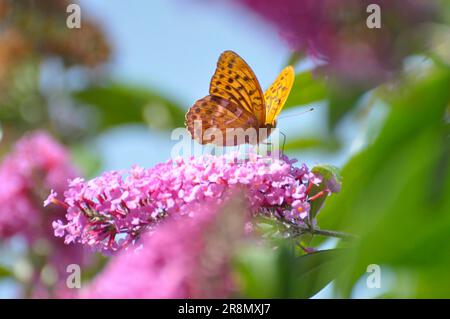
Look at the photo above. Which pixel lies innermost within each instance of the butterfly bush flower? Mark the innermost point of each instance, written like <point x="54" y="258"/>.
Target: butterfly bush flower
<point x="337" y="32"/>
<point x="185" y="257"/>
<point x="35" y="165"/>
<point x="111" y="211"/>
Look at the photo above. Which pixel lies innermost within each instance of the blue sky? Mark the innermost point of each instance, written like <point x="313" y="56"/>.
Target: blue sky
<point x="173" y="44"/>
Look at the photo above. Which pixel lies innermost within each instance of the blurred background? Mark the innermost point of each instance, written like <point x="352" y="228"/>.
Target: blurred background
<point x="111" y="92"/>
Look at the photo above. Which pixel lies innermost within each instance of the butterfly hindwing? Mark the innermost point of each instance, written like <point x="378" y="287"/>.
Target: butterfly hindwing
<point x="216" y="113"/>
<point x="235" y="81"/>
<point x="277" y="94"/>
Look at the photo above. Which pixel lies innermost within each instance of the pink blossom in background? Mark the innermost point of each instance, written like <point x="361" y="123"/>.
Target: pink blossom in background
<point x="336" y="32"/>
<point x="109" y="212"/>
<point x="186" y="257"/>
<point x="35" y="165"/>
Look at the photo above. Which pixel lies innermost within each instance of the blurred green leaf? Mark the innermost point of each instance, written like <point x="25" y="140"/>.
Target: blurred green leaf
<point x="340" y="102"/>
<point x="306" y="89"/>
<point x="304" y="276"/>
<point x="5" y="272"/>
<point x="119" y="104"/>
<point x="267" y="273"/>
<point x="97" y="264"/>
<point x="309" y="88"/>
<point x="256" y="272"/>
<point x="326" y="144"/>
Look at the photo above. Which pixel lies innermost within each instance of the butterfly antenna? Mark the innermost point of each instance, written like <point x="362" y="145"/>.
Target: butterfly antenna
<point x="296" y="114"/>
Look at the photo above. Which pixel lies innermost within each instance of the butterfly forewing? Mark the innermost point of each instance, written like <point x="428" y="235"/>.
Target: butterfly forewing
<point x="277" y="94"/>
<point x="235" y="81"/>
<point x="216" y="113"/>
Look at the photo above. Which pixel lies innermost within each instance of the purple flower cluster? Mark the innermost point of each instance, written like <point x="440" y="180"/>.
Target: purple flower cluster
<point x="111" y="211"/>
<point x="36" y="164"/>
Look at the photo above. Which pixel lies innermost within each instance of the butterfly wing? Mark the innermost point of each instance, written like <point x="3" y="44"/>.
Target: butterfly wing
<point x="216" y="113"/>
<point x="277" y="94"/>
<point x="235" y="81"/>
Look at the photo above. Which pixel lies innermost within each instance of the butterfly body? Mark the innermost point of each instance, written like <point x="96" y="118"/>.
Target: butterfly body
<point x="237" y="110"/>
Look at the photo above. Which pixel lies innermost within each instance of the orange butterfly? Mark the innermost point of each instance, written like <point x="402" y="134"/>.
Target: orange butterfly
<point x="236" y="101"/>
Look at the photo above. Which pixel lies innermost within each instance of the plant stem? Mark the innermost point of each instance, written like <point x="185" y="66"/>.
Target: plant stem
<point x="323" y="232"/>
<point x="332" y="233"/>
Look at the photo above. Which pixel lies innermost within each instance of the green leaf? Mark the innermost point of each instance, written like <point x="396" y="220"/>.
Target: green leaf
<point x="119" y="104"/>
<point x="267" y="273"/>
<point x="393" y="193"/>
<point x="306" y="89"/>
<point x="306" y="275"/>
<point x="256" y="272"/>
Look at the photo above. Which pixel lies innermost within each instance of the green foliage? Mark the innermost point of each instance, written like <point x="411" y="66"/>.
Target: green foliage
<point x="396" y="192"/>
<point x="21" y="104"/>
<point x="119" y="104"/>
<point x="309" y="88"/>
<point x="5" y="272"/>
<point x="265" y="272"/>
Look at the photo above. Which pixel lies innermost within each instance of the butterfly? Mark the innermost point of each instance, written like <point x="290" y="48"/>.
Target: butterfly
<point x="236" y="101"/>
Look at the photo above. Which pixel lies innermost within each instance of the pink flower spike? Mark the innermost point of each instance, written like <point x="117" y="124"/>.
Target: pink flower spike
<point x="137" y="201"/>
